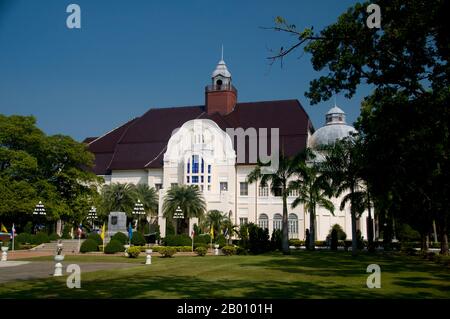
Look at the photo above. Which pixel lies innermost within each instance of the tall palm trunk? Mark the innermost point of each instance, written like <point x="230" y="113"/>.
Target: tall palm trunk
<point x="444" y="239"/>
<point x="370" y="225"/>
<point x="285" y="239"/>
<point x="353" y="214"/>
<point x="312" y="228"/>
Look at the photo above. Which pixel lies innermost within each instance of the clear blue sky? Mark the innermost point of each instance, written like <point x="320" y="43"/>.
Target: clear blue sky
<point x="130" y="56"/>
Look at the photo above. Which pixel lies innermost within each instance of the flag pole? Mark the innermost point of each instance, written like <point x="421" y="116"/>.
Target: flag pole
<point x="12" y="233"/>
<point x="193" y="234"/>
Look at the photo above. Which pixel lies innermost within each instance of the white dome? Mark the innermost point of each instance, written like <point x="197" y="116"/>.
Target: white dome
<point x="335" y="129"/>
<point x="221" y="69"/>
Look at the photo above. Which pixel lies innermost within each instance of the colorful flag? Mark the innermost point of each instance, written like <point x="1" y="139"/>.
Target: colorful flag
<point x="102" y="235"/>
<point x="13" y="231"/>
<point x="80" y="230"/>
<point x="212" y="232"/>
<point x="4" y="229"/>
<point x="193" y="233"/>
<point x="130" y="232"/>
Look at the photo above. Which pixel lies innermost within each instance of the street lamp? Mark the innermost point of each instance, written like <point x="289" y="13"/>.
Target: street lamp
<point x="92" y="215"/>
<point x="138" y="211"/>
<point x="39" y="210"/>
<point x="178" y="213"/>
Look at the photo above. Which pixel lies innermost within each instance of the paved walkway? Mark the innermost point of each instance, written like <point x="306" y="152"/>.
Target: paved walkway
<point x="45" y="269"/>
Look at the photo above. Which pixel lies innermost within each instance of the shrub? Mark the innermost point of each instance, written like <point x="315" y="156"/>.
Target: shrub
<point x="196" y="245"/>
<point x="177" y="240"/>
<point x="114" y="246"/>
<point x="202" y="239"/>
<point x="334" y="239"/>
<point x="221" y="241"/>
<point x="341" y="235"/>
<point x="201" y="251"/>
<point x="138" y="239"/>
<point x="17" y="245"/>
<point x="89" y="245"/>
<point x="120" y="237"/>
<point x="66" y="232"/>
<point x="276" y="241"/>
<point x="133" y="252"/>
<point x="28" y="228"/>
<point x="53" y="237"/>
<point x="40" y="238"/>
<point x="407" y="233"/>
<point x="296" y="242"/>
<point x="320" y="243"/>
<point x="258" y="241"/>
<point x="167" y="251"/>
<point x="183" y="248"/>
<point x="241" y="251"/>
<point x="24" y="238"/>
<point x="229" y="250"/>
<point x="96" y="237"/>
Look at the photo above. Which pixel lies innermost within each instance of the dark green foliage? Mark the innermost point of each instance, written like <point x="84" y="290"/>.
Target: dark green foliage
<point x="66" y="232"/>
<point x="177" y="240"/>
<point x="28" y="228"/>
<point x="138" y="239"/>
<point x="258" y="241"/>
<point x="40" y="238"/>
<point x="53" y="237"/>
<point x="201" y="251"/>
<point x="114" y="246"/>
<point x="341" y="235"/>
<point x="221" y="240"/>
<point x="276" y="239"/>
<point x="196" y="245"/>
<point x="17" y="245"/>
<point x="170" y="229"/>
<point x="96" y="237"/>
<point x="241" y="251"/>
<point x="334" y="239"/>
<point x="202" y="239"/>
<point x="89" y="245"/>
<point x="229" y="250"/>
<point x="133" y="252"/>
<point x="406" y="233"/>
<point x="359" y="239"/>
<point x="296" y="242"/>
<point x="24" y="238"/>
<point x="120" y="237"/>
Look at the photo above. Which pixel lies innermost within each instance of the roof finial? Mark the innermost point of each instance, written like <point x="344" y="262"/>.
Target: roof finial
<point x="222" y="53"/>
<point x="335" y="101"/>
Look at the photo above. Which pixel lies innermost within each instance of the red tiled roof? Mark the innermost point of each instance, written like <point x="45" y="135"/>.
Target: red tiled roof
<point x="141" y="142"/>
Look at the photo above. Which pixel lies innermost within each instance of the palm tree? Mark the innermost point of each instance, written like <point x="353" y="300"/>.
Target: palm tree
<point x="148" y="197"/>
<point x="214" y="219"/>
<point x="343" y="165"/>
<point x="117" y="197"/>
<point x="229" y="228"/>
<point x="189" y="199"/>
<point x="313" y="189"/>
<point x="278" y="182"/>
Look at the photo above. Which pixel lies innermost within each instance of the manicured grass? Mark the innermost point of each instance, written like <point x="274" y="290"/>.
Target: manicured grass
<point x="321" y="274"/>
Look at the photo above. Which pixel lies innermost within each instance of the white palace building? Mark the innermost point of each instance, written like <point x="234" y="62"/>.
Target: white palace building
<point x="189" y="145"/>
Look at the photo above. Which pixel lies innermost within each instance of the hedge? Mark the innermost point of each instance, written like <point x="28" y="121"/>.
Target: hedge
<point x="229" y="250"/>
<point x="133" y="252"/>
<point x="88" y="245"/>
<point x="96" y="237"/>
<point x="167" y="251"/>
<point x="120" y="237"/>
<point x="201" y="251"/>
<point x="40" y="238"/>
<point x="24" y="238"/>
<point x="138" y="239"/>
<point x="177" y="240"/>
<point x="114" y="246"/>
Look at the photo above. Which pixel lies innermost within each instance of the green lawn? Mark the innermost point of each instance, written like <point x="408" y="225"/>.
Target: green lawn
<point x="301" y="275"/>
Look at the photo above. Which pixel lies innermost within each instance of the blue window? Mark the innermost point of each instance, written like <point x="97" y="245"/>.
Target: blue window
<point x="209" y="169"/>
<point x="188" y="179"/>
<point x="194" y="179"/>
<point x="195" y="164"/>
<point x="201" y="179"/>
<point x="209" y="179"/>
<point x="203" y="165"/>
<point x="188" y="167"/>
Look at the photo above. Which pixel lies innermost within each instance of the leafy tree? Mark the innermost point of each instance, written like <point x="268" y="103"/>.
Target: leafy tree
<point x="313" y="188"/>
<point x="215" y="219"/>
<point x="189" y="199"/>
<point x="278" y="181"/>
<point x="229" y="228"/>
<point x="404" y="119"/>
<point x="148" y="197"/>
<point x="118" y="197"/>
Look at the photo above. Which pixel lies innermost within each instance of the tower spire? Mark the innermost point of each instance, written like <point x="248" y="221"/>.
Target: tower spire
<point x="222" y="53"/>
